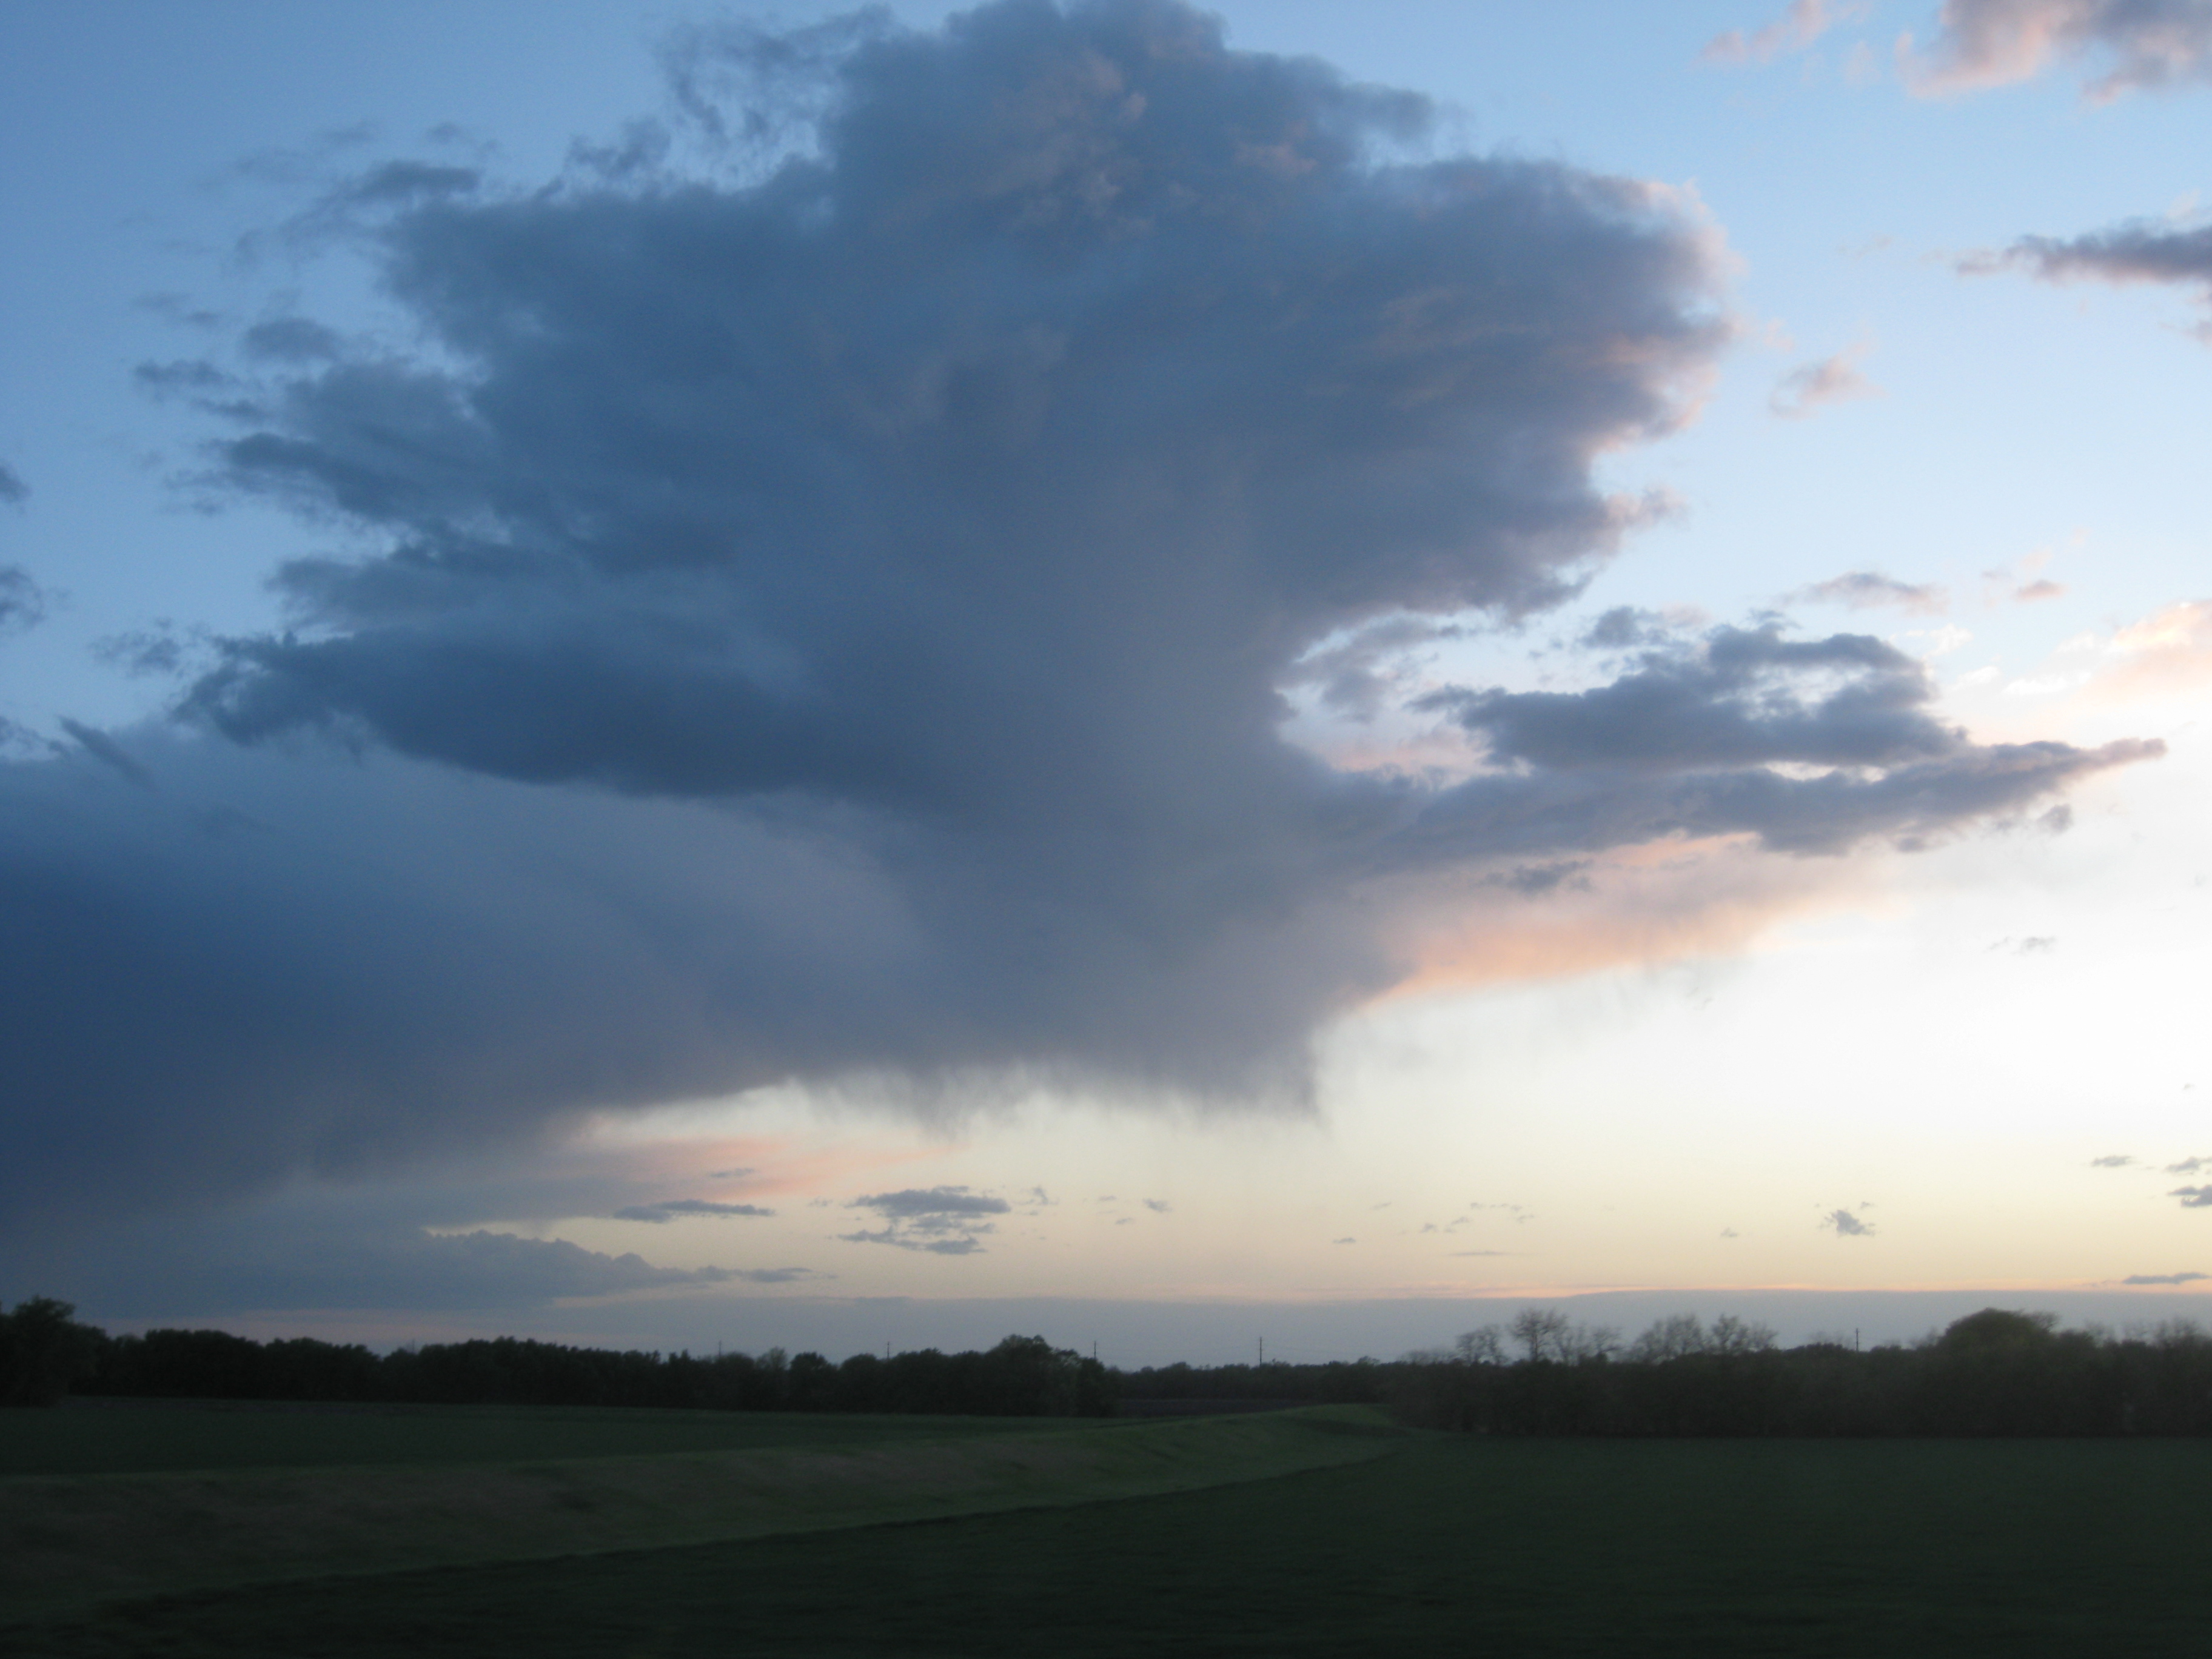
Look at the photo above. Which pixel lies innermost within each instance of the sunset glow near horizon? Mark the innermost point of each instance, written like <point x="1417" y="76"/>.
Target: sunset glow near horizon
<point x="663" y="668"/>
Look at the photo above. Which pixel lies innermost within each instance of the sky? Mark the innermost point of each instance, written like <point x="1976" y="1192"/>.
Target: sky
<point x="677" y="676"/>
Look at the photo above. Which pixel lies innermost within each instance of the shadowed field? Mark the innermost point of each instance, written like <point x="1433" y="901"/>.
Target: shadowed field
<point x="100" y="1437"/>
<point x="73" y="1542"/>
<point x="1443" y="1544"/>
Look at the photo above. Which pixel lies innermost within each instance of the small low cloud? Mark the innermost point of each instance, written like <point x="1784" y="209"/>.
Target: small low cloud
<point x="1730" y="1232"/>
<point x="13" y="489"/>
<point x="162" y="651"/>
<point x="23" y="601"/>
<point x="2134" y="251"/>
<point x="2034" y="945"/>
<point x="2112" y="1161"/>
<point x="913" y="1202"/>
<point x="1869" y="590"/>
<point x="1157" y="1206"/>
<point x="2163" y="1279"/>
<point x="1814" y="385"/>
<point x="1804" y="22"/>
<point x="664" y="1213"/>
<point x="940" y="1220"/>
<point x="290" y="340"/>
<point x="2189" y="1166"/>
<point x="1344" y="1240"/>
<point x="1844" y="1224"/>
<point x="2193" y="1198"/>
<point x="1475" y="1252"/>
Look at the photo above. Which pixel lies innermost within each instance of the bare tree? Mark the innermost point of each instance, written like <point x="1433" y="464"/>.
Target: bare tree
<point x="1541" y="1333"/>
<point x="1485" y="1346"/>
<point x="1734" y="1336"/>
<point x="1670" y="1338"/>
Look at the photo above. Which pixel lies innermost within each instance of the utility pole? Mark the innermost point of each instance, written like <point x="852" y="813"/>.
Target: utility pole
<point x="1263" y="1351"/>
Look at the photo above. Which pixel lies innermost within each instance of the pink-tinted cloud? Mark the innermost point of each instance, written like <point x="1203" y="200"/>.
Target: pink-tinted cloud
<point x="1804" y="22"/>
<point x="1869" y="590"/>
<point x="1980" y="44"/>
<point x="2167" y="651"/>
<point x="1810" y="387"/>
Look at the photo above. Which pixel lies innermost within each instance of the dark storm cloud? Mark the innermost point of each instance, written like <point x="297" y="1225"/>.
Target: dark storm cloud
<point x="2140" y="250"/>
<point x="2149" y="44"/>
<point x="217" y="1268"/>
<point x="670" y="1209"/>
<point x="830" y="616"/>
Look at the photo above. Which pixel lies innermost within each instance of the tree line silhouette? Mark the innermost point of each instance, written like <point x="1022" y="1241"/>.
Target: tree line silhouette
<point x="1996" y="1372"/>
<point x="44" y="1353"/>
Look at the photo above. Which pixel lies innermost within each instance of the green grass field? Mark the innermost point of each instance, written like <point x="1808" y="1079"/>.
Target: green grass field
<point x="74" y="1541"/>
<point x="97" y="1436"/>
<point x="1438" y="1544"/>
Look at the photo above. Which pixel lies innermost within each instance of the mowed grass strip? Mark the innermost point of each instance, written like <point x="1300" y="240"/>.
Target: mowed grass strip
<point x="72" y="1542"/>
<point x="1645" y="1548"/>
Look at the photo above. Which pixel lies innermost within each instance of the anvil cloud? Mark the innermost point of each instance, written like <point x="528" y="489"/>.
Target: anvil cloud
<point x="826" y="614"/>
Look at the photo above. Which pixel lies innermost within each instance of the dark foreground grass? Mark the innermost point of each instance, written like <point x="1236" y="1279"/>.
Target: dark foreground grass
<point x="1445" y="1545"/>
<point x="122" y="1437"/>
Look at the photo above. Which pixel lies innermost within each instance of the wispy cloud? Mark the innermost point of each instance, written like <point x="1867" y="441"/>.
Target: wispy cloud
<point x="2163" y="1279"/>
<point x="1797" y="28"/>
<point x="2137" y="252"/>
<point x="1813" y="386"/>
<point x="670" y="1209"/>
<point x="1869" y="590"/>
